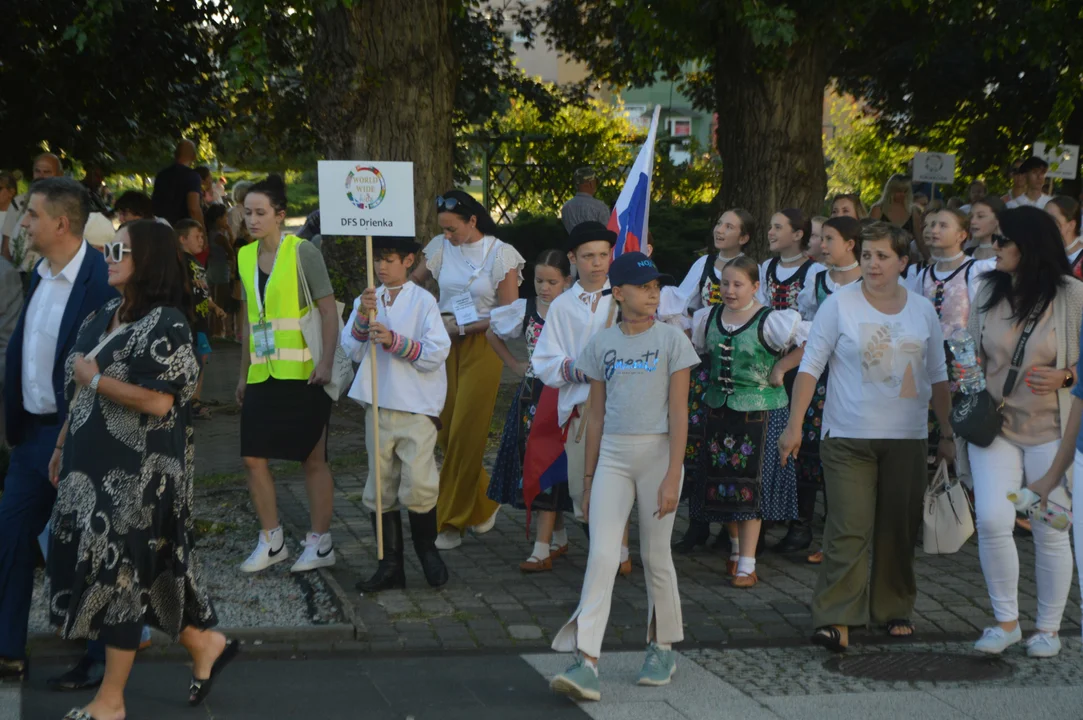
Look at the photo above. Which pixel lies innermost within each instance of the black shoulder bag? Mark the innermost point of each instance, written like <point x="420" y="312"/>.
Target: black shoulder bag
<point x="977" y="418"/>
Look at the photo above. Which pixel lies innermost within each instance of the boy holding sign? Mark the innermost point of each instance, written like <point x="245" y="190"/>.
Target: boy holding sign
<point x="412" y="348"/>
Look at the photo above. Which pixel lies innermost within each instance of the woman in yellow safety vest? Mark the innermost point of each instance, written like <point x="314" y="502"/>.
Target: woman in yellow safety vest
<point x="284" y="409"/>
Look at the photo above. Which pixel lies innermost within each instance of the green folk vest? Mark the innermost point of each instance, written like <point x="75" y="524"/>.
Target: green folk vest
<point x="292" y="359"/>
<point x="741" y="363"/>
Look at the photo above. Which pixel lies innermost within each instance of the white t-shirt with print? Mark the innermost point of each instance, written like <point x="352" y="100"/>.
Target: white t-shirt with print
<point x="882" y="366"/>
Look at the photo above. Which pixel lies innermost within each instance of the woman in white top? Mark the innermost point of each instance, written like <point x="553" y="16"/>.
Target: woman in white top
<point x="984" y="227"/>
<point x="476" y="272"/>
<point x="886" y="353"/>
<point x="1065" y="211"/>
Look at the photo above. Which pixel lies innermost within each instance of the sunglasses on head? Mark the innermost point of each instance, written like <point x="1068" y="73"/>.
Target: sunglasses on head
<point x="443" y="203"/>
<point x="114" y="251"/>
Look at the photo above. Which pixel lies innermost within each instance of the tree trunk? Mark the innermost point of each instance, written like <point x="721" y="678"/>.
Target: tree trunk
<point x="381" y="85"/>
<point x="770" y="128"/>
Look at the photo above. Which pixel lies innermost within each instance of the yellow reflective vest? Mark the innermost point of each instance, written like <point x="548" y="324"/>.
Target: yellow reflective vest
<point x="281" y="308"/>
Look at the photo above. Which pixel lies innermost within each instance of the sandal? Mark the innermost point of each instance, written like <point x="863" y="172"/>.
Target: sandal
<point x="535" y="564"/>
<point x="78" y="714"/>
<point x="557" y="551"/>
<point x="200" y="689"/>
<point x="815" y="558"/>
<point x="829" y="637"/>
<point x="200" y="411"/>
<point x="900" y="624"/>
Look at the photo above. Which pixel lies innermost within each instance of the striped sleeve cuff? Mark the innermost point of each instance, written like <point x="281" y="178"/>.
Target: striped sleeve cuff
<point x="360" y="328"/>
<point x="405" y="348"/>
<point x="570" y="374"/>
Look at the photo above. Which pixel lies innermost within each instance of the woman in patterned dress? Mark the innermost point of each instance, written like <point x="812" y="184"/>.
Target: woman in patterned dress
<point x="526" y="318"/>
<point x="750" y="348"/>
<point x="122" y="545"/>
<point x="842" y="247"/>
<point x="701" y="288"/>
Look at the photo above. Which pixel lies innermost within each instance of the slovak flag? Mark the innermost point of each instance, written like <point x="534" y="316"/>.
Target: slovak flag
<point x="629" y="217"/>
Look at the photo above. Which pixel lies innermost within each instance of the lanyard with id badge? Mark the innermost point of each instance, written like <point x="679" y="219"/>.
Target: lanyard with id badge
<point x="462" y="304"/>
<point x="263" y="334"/>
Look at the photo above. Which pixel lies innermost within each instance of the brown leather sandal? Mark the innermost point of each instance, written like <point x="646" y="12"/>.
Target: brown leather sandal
<point x="536" y="565"/>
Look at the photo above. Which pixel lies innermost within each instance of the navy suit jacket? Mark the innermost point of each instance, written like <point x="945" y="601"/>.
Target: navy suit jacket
<point x="89" y="293"/>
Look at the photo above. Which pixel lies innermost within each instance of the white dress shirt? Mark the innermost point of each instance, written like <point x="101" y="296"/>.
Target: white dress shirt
<point x="41" y="330"/>
<point x="573" y="319"/>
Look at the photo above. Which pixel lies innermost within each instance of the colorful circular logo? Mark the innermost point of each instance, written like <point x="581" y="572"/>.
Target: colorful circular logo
<point x="365" y="187"/>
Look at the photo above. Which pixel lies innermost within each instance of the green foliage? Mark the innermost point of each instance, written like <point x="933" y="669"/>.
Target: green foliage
<point x="98" y="81"/>
<point x="860" y="158"/>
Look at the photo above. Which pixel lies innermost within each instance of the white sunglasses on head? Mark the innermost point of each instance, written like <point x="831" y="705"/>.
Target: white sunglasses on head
<point x="114" y="251"/>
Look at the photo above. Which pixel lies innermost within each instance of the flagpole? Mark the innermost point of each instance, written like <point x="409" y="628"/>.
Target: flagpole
<point x="375" y="410"/>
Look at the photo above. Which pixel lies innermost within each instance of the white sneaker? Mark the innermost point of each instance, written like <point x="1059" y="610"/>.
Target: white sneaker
<point x="1043" y="645"/>
<point x="319" y="552"/>
<point x="995" y="640"/>
<point x="265" y="555"/>
<point x="449" y="540"/>
<point x="487" y="525"/>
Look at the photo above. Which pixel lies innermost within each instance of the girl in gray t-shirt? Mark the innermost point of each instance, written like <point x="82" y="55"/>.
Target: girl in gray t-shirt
<point x="636" y="434"/>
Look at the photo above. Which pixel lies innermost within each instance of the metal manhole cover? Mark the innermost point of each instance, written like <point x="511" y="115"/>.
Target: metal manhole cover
<point x="919" y="667"/>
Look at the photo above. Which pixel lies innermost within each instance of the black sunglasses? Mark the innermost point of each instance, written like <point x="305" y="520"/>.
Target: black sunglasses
<point x="1001" y="240"/>
<point x="443" y="203"/>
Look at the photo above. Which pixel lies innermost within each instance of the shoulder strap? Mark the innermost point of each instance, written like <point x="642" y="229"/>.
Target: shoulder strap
<point x="1017" y="356"/>
<point x="771" y="267"/>
<point x="802" y="271"/>
<point x="712" y="258"/>
<point x="531" y="304"/>
<point x="821" y="282"/>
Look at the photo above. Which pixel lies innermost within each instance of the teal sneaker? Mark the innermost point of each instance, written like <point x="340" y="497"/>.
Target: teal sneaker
<point x="579" y="681"/>
<point x="658" y="667"/>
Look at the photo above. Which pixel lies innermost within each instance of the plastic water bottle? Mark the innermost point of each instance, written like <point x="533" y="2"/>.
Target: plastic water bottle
<point x="1054" y="515"/>
<point x="968" y="372"/>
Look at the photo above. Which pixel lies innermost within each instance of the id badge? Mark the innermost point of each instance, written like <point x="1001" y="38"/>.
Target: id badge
<point x="462" y="305"/>
<point x="263" y="336"/>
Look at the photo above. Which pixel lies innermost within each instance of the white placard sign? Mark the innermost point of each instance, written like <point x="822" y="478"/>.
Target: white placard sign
<point x="366" y="197"/>
<point x="1063" y="160"/>
<point x="933" y="167"/>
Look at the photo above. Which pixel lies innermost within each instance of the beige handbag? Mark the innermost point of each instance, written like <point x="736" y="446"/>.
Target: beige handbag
<point x="949" y="519"/>
<point x="312" y="330"/>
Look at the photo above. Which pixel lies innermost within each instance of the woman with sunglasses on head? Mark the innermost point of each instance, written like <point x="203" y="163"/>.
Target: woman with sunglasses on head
<point x="1031" y="291"/>
<point x="1065" y="212"/>
<point x="476" y="272"/>
<point x="122" y="527"/>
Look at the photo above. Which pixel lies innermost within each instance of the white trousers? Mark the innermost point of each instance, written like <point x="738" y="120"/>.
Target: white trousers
<point x="408" y="474"/>
<point x="629" y="467"/>
<point x="1077" y="469"/>
<point x="576" y="450"/>
<point x="997" y="470"/>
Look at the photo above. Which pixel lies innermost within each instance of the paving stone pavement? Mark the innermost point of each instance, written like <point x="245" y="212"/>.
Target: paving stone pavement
<point x="489" y="604"/>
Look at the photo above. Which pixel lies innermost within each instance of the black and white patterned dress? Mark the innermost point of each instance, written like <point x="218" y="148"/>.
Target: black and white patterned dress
<point x="122" y="525"/>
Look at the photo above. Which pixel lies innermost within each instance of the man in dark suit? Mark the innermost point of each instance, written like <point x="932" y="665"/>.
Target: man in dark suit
<point x="67" y="284"/>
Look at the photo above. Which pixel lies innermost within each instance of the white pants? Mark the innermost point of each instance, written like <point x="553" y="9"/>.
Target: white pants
<point x="629" y="466"/>
<point x="997" y="470"/>
<point x="576" y="450"/>
<point x="408" y="474"/>
<point x="1076" y="473"/>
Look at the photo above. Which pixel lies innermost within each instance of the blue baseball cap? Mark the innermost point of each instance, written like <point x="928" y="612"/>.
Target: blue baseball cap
<point x="635" y="268"/>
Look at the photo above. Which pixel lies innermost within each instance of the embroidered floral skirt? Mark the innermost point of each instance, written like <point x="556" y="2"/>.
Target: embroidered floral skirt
<point x="810" y="472"/>
<point x="777" y="484"/>
<point x="506" y="484"/>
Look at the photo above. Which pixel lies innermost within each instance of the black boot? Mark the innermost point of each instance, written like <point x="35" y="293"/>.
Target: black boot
<point x="389" y="573"/>
<point x="698" y="533"/>
<point x="798" y="537"/>
<point x="423" y="530"/>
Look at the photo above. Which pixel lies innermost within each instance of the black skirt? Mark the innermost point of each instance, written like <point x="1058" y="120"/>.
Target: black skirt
<point x="283" y="419"/>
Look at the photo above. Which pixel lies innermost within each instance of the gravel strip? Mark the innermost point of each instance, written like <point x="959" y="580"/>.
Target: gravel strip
<point x="273" y="598"/>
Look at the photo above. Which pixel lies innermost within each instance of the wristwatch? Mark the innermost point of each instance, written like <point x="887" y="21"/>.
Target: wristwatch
<point x="94" y="382"/>
<point x="1069" y="379"/>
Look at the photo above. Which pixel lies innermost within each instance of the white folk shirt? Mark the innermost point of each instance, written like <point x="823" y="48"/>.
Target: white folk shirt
<point x="569" y="325"/>
<point x="478" y="267"/>
<point x="1024" y="201"/>
<point x="41" y="331"/>
<point x="415" y="387"/>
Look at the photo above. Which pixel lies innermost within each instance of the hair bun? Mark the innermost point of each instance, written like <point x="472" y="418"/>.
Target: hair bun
<point x="275" y="181"/>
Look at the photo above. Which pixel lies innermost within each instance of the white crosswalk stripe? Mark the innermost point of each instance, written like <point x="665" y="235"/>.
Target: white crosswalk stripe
<point x="10" y="703"/>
